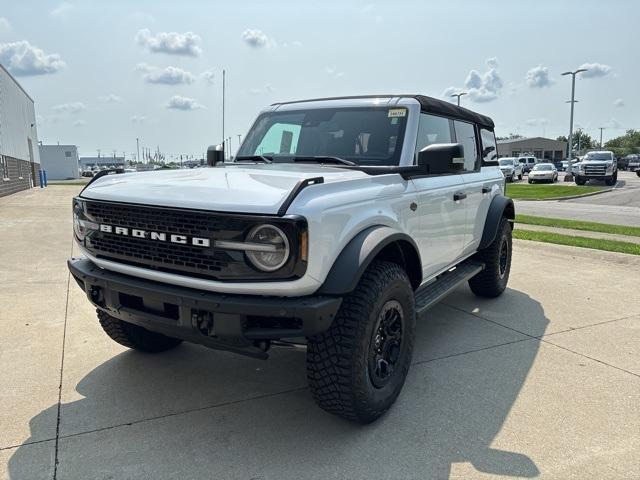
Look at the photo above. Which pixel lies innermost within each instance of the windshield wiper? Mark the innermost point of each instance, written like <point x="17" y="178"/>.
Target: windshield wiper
<point x="254" y="158"/>
<point x="325" y="158"/>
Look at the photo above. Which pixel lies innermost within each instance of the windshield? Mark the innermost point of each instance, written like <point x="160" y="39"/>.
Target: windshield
<point x="366" y="136"/>
<point x="598" y="156"/>
<point x="543" y="166"/>
<point x="506" y="162"/>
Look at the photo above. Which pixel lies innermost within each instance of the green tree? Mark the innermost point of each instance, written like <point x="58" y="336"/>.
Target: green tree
<point x="511" y="136"/>
<point x="625" y="144"/>
<point x="582" y="141"/>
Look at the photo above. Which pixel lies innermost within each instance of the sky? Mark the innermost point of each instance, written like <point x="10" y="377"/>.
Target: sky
<point x="103" y="73"/>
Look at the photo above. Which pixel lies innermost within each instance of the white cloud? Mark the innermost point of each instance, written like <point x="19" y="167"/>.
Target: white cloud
<point x="61" y="10"/>
<point x="178" y="102"/>
<point x="110" y="98"/>
<point x="255" y="38"/>
<point x="618" y="102"/>
<point x="22" y="58"/>
<point x="538" y="77"/>
<point x="165" y="76"/>
<point x="267" y="88"/>
<point x="208" y="76"/>
<point x="333" y="72"/>
<point x="5" y="26"/>
<point x="595" y="70"/>
<point x="138" y="119"/>
<point x="72" y="108"/>
<point x="615" y="124"/>
<point x="534" y="122"/>
<point x="173" y="43"/>
<point x="480" y="87"/>
<point x="79" y="123"/>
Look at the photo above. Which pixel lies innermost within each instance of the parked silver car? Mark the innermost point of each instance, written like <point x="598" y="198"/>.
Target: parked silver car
<point x="511" y="168"/>
<point x="543" y="172"/>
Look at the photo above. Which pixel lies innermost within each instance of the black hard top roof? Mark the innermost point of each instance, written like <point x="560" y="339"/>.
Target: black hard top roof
<point x="427" y="105"/>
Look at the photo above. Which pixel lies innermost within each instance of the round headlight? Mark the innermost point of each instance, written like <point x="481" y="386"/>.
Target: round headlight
<point x="269" y="247"/>
<point x="78" y="226"/>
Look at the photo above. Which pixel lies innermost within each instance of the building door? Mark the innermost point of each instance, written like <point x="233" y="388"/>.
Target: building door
<point x="32" y="170"/>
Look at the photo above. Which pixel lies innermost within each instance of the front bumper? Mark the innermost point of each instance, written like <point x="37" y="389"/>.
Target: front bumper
<point x="221" y="321"/>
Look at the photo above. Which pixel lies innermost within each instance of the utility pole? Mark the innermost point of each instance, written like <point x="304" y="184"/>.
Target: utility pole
<point x="601" y="129"/>
<point x="137" y="149"/>
<point x="223" y="94"/>
<point x="459" y="95"/>
<point x="239" y="141"/>
<point x="569" y="176"/>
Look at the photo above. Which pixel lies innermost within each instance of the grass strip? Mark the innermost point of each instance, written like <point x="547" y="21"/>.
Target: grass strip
<point x="579" y="225"/>
<point x="523" y="191"/>
<point x="583" y="242"/>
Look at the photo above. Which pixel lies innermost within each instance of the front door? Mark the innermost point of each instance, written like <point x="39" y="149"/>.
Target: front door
<point x="440" y="233"/>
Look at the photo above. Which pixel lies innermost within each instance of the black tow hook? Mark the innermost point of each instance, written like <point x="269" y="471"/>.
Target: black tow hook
<point x="203" y="321"/>
<point x="96" y="295"/>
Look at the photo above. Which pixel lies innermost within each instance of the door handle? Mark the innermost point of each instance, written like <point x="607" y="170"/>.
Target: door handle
<point x="459" y="196"/>
<point x="486" y="189"/>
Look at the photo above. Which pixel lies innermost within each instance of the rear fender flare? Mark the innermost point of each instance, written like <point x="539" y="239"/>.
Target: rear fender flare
<point x="501" y="206"/>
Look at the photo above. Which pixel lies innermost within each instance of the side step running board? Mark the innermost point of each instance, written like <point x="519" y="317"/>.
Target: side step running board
<point x="444" y="284"/>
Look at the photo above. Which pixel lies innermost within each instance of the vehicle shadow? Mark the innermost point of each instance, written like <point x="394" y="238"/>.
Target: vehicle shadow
<point x="196" y="413"/>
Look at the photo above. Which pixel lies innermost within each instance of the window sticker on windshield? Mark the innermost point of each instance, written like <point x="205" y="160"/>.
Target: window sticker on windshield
<point x="394" y="121"/>
<point x="397" y="112"/>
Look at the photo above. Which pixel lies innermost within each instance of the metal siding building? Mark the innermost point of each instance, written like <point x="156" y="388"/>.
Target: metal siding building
<point x="539" y="147"/>
<point x="61" y="162"/>
<point x="19" y="156"/>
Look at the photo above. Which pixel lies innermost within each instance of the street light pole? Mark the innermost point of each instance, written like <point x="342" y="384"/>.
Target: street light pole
<point x="601" y="129"/>
<point x="569" y="176"/>
<point x="458" y="95"/>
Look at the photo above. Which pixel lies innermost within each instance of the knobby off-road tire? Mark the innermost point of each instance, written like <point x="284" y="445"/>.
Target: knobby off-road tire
<point x="135" y="337"/>
<point x="492" y="281"/>
<point x="580" y="181"/>
<point x="346" y="366"/>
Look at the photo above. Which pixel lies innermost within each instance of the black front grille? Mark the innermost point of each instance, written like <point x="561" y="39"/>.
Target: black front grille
<point x="195" y="261"/>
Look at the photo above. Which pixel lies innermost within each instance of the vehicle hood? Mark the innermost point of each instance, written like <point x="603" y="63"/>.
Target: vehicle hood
<point x="258" y="189"/>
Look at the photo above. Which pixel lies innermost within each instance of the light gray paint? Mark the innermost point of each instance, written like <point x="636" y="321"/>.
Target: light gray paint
<point x="57" y="164"/>
<point x="17" y="119"/>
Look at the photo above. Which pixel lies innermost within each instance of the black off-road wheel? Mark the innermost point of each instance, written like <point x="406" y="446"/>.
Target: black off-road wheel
<point x="580" y="181"/>
<point x="135" y="337"/>
<point x="612" y="180"/>
<point x="357" y="368"/>
<point x="493" y="280"/>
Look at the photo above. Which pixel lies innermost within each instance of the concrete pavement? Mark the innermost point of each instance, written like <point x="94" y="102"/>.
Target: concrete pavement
<point x="620" y="207"/>
<point x="526" y="385"/>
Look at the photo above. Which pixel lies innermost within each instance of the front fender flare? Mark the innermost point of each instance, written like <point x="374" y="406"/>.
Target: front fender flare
<point x="501" y="206"/>
<point x="356" y="256"/>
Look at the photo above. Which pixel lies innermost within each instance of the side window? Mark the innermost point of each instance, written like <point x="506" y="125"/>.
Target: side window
<point x="280" y="138"/>
<point x="489" y="148"/>
<point x="466" y="136"/>
<point x="432" y="129"/>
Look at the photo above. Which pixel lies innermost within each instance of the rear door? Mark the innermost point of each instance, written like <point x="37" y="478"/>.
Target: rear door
<point x="441" y="220"/>
<point x="478" y="181"/>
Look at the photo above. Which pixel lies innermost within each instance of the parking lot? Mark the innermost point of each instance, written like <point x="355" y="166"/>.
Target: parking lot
<point x="543" y="381"/>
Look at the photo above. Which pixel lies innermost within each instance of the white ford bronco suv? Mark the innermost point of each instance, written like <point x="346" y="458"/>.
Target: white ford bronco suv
<point x="338" y="223"/>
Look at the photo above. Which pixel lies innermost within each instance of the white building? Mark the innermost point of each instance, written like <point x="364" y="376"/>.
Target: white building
<point x="19" y="157"/>
<point x="61" y="162"/>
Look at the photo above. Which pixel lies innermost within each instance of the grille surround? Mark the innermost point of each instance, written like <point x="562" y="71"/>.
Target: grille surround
<point x="211" y="263"/>
<point x="598" y="170"/>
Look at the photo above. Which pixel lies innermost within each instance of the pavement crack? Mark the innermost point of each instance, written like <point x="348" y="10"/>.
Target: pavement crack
<point x="181" y="412"/>
<point x="473" y="351"/>
<point x="590" y="358"/>
<point x="59" y="408"/>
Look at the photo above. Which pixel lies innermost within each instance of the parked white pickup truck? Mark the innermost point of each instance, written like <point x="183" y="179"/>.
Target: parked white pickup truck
<point x="339" y="222"/>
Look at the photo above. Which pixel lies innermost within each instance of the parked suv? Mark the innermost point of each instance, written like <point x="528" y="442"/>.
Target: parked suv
<point x="511" y="168"/>
<point x="527" y="163"/>
<point x="340" y="221"/>
<point x="598" y="165"/>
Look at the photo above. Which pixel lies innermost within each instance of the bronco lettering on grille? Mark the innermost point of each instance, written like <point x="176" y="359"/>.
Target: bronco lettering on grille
<point x="158" y="236"/>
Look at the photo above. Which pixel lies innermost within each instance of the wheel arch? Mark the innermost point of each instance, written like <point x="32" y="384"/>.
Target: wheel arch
<point x="501" y="206"/>
<point x="373" y="243"/>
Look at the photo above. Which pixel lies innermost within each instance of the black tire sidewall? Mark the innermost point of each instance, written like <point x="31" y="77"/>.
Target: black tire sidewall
<point x="381" y="398"/>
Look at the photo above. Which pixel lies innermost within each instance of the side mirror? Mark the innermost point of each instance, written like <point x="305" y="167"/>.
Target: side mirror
<point x="441" y="158"/>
